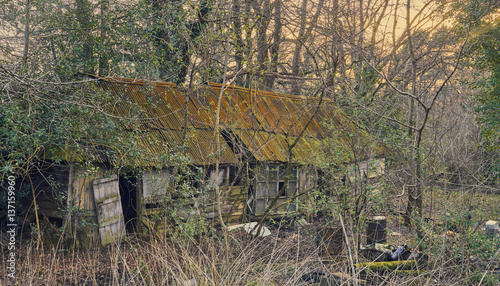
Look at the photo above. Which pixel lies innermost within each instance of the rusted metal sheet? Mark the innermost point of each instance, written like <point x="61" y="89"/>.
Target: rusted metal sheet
<point x="286" y="115"/>
<point x="264" y="120"/>
<point x="199" y="113"/>
<point x="109" y="209"/>
<point x="155" y="106"/>
<point x="266" y="146"/>
<point x="198" y="145"/>
<point x="202" y="147"/>
<point x="167" y="118"/>
<point x="281" y="118"/>
<point x="276" y="113"/>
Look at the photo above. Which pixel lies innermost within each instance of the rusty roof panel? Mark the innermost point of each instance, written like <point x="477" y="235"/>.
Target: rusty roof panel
<point x="246" y="110"/>
<point x="200" y="116"/>
<point x="236" y="110"/>
<point x="272" y="112"/>
<point x="212" y="101"/>
<point x="269" y="147"/>
<point x="282" y="118"/>
<point x="164" y="122"/>
<point x="157" y="107"/>
<point x="286" y="116"/>
<point x="274" y="147"/>
<point x="199" y="110"/>
<point x="153" y="107"/>
<point x="268" y="115"/>
<point x="199" y="147"/>
<point x="256" y="105"/>
<point x="265" y="122"/>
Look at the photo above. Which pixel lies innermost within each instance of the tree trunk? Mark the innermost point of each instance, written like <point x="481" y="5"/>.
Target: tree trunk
<point x="239" y="49"/>
<point x="103" y="56"/>
<point x="296" y="88"/>
<point x="263" y="18"/>
<point x="413" y="138"/>
<point x="275" y="47"/>
<point x="26" y="37"/>
<point x="84" y="15"/>
<point x="304" y="36"/>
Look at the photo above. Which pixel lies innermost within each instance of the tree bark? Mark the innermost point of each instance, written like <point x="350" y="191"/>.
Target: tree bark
<point x="84" y="15"/>
<point x="239" y="49"/>
<point x="263" y="19"/>
<point x="26" y="36"/>
<point x="414" y="139"/>
<point x="275" y="47"/>
<point x="103" y="57"/>
<point x="296" y="88"/>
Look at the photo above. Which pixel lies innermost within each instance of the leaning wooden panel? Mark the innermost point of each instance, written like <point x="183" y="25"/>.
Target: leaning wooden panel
<point x="109" y="209"/>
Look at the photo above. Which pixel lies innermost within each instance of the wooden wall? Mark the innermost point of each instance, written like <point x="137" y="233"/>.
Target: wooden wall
<point x="82" y="218"/>
<point x="50" y="188"/>
<point x="64" y="197"/>
<point x="154" y="184"/>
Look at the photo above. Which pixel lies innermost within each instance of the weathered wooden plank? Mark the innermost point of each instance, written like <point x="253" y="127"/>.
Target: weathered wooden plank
<point x="109" y="209"/>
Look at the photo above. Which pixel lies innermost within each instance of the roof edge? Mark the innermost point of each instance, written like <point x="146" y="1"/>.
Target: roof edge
<point x="268" y="93"/>
<point x="116" y="79"/>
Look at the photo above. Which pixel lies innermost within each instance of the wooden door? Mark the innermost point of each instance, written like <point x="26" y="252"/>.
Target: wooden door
<point x="109" y="209"/>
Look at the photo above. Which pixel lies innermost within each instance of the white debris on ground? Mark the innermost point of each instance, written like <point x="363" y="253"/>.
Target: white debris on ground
<point x="248" y="227"/>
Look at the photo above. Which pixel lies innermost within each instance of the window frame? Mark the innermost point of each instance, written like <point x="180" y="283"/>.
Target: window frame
<point x="268" y="181"/>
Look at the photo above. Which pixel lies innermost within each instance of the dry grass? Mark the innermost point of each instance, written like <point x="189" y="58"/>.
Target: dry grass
<point x="280" y="259"/>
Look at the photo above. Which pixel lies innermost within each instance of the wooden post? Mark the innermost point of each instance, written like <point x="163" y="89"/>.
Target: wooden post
<point x="491" y="228"/>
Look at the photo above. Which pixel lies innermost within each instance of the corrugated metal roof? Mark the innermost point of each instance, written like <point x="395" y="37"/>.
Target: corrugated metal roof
<point x="267" y="123"/>
<point x="275" y="112"/>
<point x="156" y="146"/>
<point x="160" y="117"/>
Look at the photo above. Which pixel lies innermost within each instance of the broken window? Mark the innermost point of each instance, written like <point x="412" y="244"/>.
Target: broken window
<point x="227" y="176"/>
<point x="155" y="183"/>
<point x="270" y="180"/>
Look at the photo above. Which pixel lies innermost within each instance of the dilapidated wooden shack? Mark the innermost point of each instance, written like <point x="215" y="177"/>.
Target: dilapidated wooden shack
<point x="283" y="137"/>
<point x="268" y="144"/>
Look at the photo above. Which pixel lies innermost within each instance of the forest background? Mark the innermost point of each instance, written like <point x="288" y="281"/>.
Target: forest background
<point x="422" y="77"/>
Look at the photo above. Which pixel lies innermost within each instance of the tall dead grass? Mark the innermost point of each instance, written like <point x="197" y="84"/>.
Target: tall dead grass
<point x="284" y="258"/>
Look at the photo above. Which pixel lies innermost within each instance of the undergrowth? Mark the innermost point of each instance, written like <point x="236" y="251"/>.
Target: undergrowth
<point x="290" y="256"/>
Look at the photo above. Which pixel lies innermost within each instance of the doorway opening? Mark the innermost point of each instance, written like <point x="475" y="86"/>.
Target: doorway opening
<point x="128" y="194"/>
